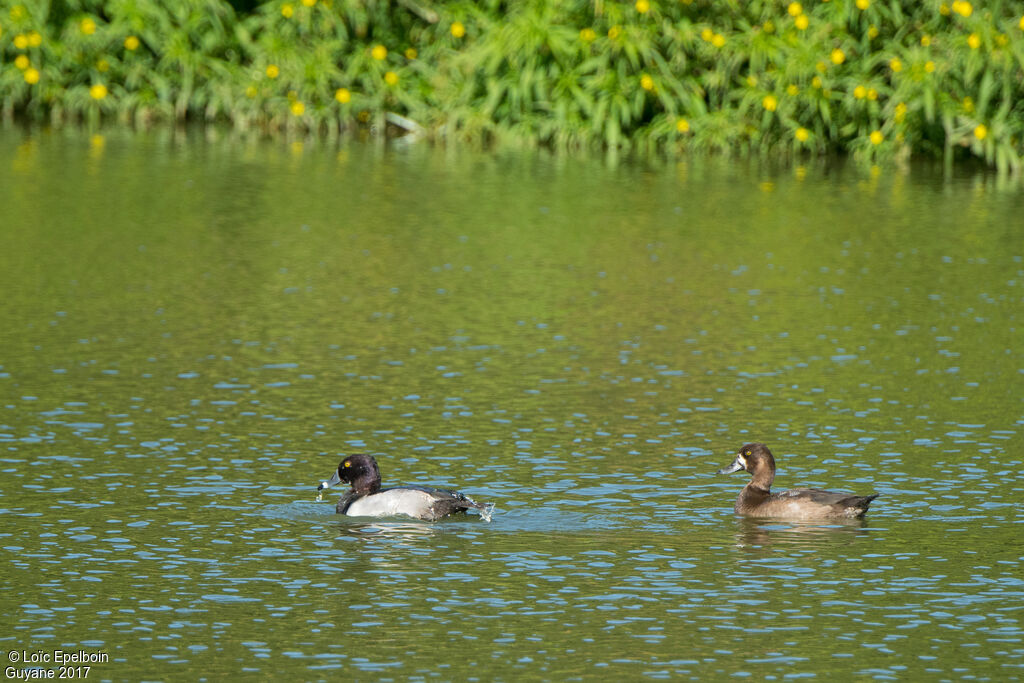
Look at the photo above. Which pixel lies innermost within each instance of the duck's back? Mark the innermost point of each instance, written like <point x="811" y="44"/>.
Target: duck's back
<point x="420" y="502"/>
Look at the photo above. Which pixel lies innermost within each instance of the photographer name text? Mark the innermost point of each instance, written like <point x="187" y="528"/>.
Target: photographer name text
<point x="57" y="664"/>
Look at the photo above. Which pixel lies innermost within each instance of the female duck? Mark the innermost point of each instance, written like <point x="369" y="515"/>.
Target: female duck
<point x="367" y="499"/>
<point x="756" y="500"/>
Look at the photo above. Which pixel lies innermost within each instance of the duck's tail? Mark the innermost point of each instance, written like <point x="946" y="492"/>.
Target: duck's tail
<point x="486" y="509"/>
<point x="861" y="503"/>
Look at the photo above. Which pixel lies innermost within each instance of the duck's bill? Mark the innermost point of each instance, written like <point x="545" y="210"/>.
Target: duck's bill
<point x="333" y="481"/>
<point x="736" y="466"/>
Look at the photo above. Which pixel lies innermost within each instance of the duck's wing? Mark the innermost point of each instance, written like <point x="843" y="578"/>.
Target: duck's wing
<point x="833" y="499"/>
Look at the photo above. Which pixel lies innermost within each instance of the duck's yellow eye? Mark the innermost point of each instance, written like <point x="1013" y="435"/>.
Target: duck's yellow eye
<point x="747" y="453"/>
<point x="347" y="464"/>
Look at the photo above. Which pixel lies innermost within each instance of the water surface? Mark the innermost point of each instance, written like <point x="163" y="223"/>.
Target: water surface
<point x="196" y="329"/>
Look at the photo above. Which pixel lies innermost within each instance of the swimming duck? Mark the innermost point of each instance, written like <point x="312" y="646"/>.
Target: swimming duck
<point x="367" y="499"/>
<point x="756" y="500"/>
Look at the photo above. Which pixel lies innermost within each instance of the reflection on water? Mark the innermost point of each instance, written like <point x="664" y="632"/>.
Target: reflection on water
<point x="194" y="330"/>
<point x="761" y="533"/>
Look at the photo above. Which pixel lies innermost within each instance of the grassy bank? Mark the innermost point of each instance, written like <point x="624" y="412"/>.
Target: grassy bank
<point x="882" y="80"/>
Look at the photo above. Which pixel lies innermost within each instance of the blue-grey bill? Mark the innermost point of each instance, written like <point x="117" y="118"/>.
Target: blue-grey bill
<point x="324" y="485"/>
<point x="736" y="466"/>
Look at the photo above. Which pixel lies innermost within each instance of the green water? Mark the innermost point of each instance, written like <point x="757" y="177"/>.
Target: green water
<point x="194" y="331"/>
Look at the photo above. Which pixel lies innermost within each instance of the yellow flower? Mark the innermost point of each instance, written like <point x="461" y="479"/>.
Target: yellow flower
<point x="974" y="41"/>
<point x="343" y="95"/>
<point x="298" y="108"/>
<point x="1021" y="24"/>
<point x="872" y="32"/>
<point x="411" y="53"/>
<point x="752" y="80"/>
<point x="458" y="30"/>
<point x="802" y="134"/>
<point x="900" y="113"/>
<point x="391" y="78"/>
<point x="876" y="137"/>
<point x="21" y="42"/>
<point x="860" y="92"/>
<point x="646" y="82"/>
<point x="102" y="65"/>
<point x="929" y="66"/>
<point x="587" y="35"/>
<point x="770" y="102"/>
<point x="792" y="90"/>
<point x="768" y="26"/>
<point x="273" y="71"/>
<point x="1002" y="39"/>
<point x="926" y="41"/>
<point x="643" y="6"/>
<point x="287" y="10"/>
<point x="816" y="82"/>
<point x="131" y="43"/>
<point x="718" y="40"/>
<point x="34" y="39"/>
<point x="981" y="131"/>
<point x="682" y="125"/>
<point x="802" y="22"/>
<point x="706" y="35"/>
<point x="896" y="65"/>
<point x="968" y="103"/>
<point x="795" y="9"/>
<point x="251" y="91"/>
<point x="872" y="94"/>
<point x="87" y="26"/>
<point x="963" y="8"/>
<point x="379" y="52"/>
<point x="21" y="61"/>
<point x="944" y="10"/>
<point x="863" y="4"/>
<point x="308" y="3"/>
<point x="837" y="56"/>
<point x="614" y="32"/>
<point x="31" y="76"/>
<point x="98" y="91"/>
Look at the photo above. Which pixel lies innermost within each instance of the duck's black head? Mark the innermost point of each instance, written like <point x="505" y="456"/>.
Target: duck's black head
<point x="754" y="458"/>
<point x="359" y="470"/>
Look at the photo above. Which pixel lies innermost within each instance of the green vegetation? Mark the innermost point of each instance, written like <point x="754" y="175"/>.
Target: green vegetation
<point x="881" y="79"/>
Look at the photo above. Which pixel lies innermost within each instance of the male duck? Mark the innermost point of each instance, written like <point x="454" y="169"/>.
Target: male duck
<point x="367" y="499"/>
<point x="756" y="500"/>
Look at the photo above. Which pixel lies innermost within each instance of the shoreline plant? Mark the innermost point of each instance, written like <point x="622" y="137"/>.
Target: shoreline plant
<point x="881" y="80"/>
